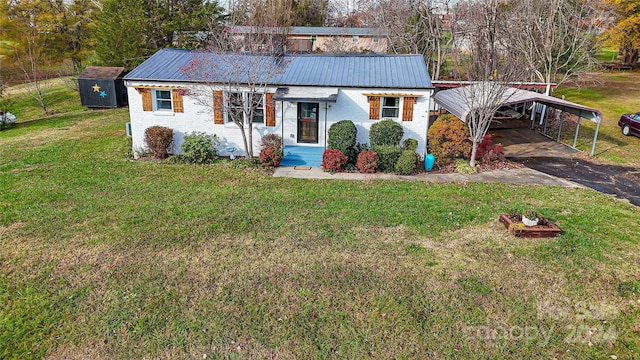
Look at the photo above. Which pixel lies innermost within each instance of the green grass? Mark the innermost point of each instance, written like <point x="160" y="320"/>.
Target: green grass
<point x="103" y="257"/>
<point x="607" y="55"/>
<point x="616" y="95"/>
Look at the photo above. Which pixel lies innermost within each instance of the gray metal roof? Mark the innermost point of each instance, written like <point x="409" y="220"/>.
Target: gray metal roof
<point x="362" y="70"/>
<point x="457" y="102"/>
<point x="316" y="30"/>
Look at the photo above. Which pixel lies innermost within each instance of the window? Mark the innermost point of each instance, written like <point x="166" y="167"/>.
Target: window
<point x="236" y="110"/>
<point x="314" y="37"/>
<point x="375" y="39"/>
<point x="258" y="112"/>
<point x="162" y="100"/>
<point x="355" y="38"/>
<point x="390" y="107"/>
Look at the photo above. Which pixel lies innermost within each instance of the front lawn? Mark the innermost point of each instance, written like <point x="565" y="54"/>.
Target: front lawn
<point x="104" y="258"/>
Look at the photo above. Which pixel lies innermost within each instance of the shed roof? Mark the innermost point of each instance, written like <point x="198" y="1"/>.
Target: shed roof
<point x="101" y="72"/>
<point x="331" y="70"/>
<point x="455" y="101"/>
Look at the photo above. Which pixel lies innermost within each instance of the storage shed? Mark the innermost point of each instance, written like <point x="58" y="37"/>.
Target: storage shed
<point x="102" y="87"/>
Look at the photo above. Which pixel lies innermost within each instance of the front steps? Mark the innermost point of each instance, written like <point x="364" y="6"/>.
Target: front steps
<point x="296" y="155"/>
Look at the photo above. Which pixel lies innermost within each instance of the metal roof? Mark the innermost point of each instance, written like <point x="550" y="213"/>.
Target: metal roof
<point x="101" y="72"/>
<point x="456" y="101"/>
<point x="331" y="70"/>
<point x="315" y="30"/>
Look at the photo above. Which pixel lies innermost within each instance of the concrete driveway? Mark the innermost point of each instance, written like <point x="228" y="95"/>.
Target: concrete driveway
<point x="524" y="142"/>
<point x="540" y="153"/>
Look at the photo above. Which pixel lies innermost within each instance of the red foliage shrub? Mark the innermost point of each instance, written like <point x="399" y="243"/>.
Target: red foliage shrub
<point x="448" y="140"/>
<point x="487" y="152"/>
<point x="158" y="139"/>
<point x="271" y="140"/>
<point x="367" y="162"/>
<point x="332" y="160"/>
<point x="271" y="156"/>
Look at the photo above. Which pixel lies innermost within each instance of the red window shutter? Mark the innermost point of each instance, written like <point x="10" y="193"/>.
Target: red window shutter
<point x="407" y="108"/>
<point x="270" y="107"/>
<point x="218" y="109"/>
<point x="374" y="107"/>
<point x="176" y="96"/>
<point x="147" y="104"/>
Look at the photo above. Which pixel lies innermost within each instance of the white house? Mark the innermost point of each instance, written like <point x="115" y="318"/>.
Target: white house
<point x="300" y="103"/>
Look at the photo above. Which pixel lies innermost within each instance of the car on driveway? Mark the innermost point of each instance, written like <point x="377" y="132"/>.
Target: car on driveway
<point x="630" y="124"/>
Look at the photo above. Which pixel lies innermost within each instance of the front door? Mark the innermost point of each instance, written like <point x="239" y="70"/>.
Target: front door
<point x="308" y="122"/>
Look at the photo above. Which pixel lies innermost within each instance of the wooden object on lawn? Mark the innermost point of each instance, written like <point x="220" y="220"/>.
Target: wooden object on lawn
<point x="539" y="231"/>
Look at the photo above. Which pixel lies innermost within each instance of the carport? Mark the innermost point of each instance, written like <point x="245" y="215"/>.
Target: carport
<point x="524" y="104"/>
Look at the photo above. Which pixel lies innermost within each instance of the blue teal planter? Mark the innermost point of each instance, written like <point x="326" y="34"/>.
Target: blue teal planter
<point x="429" y="159"/>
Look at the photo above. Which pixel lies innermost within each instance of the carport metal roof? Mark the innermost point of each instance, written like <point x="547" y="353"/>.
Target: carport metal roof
<point x="455" y="101"/>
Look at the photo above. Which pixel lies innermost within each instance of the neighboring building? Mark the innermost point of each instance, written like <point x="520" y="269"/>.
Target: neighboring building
<point x="330" y="39"/>
<point x="300" y="104"/>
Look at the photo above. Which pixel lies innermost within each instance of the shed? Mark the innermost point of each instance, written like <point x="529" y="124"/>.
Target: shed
<point x="102" y="87"/>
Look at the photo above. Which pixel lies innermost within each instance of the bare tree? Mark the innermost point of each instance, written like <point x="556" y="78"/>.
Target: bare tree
<point x="556" y="38"/>
<point x="484" y="59"/>
<point x="348" y="13"/>
<point x="26" y="30"/>
<point x="235" y="70"/>
<point x="414" y="27"/>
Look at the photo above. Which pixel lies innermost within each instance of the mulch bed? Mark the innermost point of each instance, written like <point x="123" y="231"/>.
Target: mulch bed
<point x="481" y="167"/>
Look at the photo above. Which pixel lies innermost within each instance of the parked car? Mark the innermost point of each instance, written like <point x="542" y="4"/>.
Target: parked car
<point x="6" y="119"/>
<point x="630" y="124"/>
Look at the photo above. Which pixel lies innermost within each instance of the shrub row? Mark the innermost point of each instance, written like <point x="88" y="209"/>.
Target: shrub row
<point x="384" y="137"/>
<point x="200" y="148"/>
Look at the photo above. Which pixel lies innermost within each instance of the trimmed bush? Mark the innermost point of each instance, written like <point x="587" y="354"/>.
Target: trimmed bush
<point x="387" y="157"/>
<point x="410" y="144"/>
<point x="367" y="162"/>
<point x="270" y="156"/>
<point x="158" y="139"/>
<point x="385" y="132"/>
<point x="487" y="152"/>
<point x="360" y="147"/>
<point x="342" y="136"/>
<point x="407" y="164"/>
<point x="448" y="140"/>
<point x="333" y="160"/>
<point x="200" y="148"/>
<point x="271" y="140"/>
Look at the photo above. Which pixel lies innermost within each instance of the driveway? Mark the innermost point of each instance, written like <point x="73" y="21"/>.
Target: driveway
<point x="537" y="152"/>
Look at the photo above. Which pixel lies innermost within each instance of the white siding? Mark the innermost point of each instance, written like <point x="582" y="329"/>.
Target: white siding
<point x="351" y="105"/>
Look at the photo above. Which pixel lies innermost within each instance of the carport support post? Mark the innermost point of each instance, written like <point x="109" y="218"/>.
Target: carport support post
<point x="575" y="138"/>
<point x="595" y="137"/>
<point x="560" y="127"/>
<point x="533" y="115"/>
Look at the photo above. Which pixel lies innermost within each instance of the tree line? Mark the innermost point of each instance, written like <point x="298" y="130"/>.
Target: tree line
<point x="553" y="39"/>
